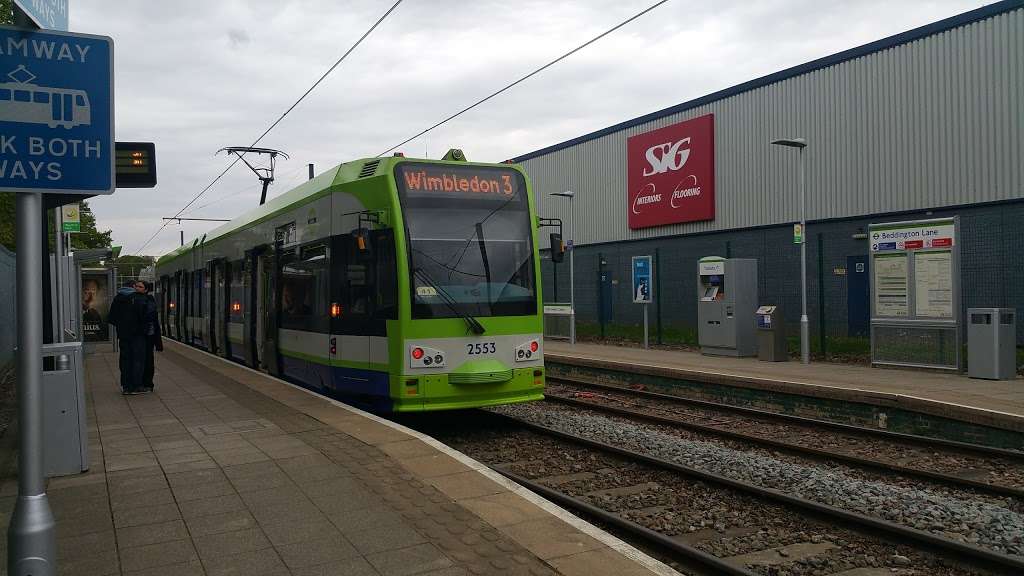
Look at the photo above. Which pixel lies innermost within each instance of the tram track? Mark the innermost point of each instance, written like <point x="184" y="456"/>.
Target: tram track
<point x="650" y="496"/>
<point x="893" y="453"/>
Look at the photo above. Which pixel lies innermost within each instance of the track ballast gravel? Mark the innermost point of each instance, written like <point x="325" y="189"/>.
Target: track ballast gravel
<point x="981" y="523"/>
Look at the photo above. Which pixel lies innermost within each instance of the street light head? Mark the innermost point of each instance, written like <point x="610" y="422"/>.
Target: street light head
<point x="791" y="142"/>
<point x="566" y="194"/>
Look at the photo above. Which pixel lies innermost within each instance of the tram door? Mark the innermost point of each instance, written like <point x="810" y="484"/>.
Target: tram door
<point x="218" y="307"/>
<point x="176" y="298"/>
<point x="266" y="322"/>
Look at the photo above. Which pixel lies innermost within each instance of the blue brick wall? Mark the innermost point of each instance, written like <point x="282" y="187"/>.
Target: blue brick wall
<point x="992" y="268"/>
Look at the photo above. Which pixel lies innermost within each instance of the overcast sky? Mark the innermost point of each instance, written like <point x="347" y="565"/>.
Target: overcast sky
<point x="194" y="76"/>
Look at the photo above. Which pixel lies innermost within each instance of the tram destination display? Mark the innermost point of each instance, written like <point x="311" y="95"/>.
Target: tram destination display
<point x="463" y="182"/>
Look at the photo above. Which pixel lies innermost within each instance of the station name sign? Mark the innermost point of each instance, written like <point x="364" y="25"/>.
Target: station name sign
<point x="671" y="174"/>
<point x="56" y="112"/>
<point x="913" y="236"/>
<point x="464" y="182"/>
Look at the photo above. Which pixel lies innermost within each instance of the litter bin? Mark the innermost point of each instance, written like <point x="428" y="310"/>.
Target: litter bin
<point x="65" y="439"/>
<point x="992" y="343"/>
<point x="771" y="335"/>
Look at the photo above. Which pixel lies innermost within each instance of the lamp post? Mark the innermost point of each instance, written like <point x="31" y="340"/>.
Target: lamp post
<point x="572" y="261"/>
<point x="805" y="341"/>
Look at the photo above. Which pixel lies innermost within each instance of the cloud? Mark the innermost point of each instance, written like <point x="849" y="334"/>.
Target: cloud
<point x="191" y="78"/>
<point x="237" y="37"/>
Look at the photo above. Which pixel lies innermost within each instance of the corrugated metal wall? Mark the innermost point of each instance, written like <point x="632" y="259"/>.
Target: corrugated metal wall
<point x="935" y="122"/>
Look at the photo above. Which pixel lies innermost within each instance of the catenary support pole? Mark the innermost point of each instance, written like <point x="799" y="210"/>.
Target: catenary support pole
<point x="31" y="541"/>
<point x="805" y="339"/>
<point x="311" y="171"/>
<point x="572" y="269"/>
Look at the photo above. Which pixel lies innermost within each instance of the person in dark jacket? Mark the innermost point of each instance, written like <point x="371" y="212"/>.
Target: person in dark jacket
<point x="153" y="338"/>
<point x="128" y="315"/>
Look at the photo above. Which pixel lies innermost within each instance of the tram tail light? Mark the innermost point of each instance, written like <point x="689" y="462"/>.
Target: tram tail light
<point x="236" y="306"/>
<point x="335" y="310"/>
<point x="425" y="357"/>
<point x="171" y="305"/>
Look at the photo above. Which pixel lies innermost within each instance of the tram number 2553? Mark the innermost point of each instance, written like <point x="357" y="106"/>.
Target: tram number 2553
<point x="481" y="348"/>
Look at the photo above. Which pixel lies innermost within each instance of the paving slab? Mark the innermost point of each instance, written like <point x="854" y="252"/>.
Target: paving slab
<point x="224" y="471"/>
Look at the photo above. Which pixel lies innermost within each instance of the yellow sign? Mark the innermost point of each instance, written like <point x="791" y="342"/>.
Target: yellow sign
<point x="71" y="218"/>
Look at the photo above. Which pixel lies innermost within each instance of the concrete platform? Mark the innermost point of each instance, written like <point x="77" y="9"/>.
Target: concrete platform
<point x="998" y="405"/>
<point x="225" y="471"/>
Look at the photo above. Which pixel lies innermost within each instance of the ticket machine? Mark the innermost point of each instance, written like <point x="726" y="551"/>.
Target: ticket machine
<point x="727" y="292"/>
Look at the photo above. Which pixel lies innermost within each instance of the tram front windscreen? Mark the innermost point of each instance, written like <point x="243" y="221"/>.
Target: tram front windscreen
<point x="470" y="240"/>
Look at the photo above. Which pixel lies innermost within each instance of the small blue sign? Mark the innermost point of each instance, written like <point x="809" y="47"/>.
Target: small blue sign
<point x="56" y="112"/>
<point x="886" y="246"/>
<point x="48" y="14"/>
<point x="643" y="292"/>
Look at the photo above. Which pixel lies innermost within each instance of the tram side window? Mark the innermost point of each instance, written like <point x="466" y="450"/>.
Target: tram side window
<point x="368" y="286"/>
<point x="22" y="96"/>
<point x="237" y="291"/>
<point x="305" y="290"/>
<point x="385" y="274"/>
<point x="5" y="93"/>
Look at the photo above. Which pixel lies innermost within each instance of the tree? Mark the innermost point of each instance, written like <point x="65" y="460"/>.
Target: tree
<point x="7" y="231"/>
<point x="130" y="266"/>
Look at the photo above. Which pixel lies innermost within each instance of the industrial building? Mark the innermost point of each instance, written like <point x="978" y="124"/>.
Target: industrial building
<point x="925" y="124"/>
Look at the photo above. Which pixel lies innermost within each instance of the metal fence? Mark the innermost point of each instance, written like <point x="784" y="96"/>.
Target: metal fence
<point x="8" y="311"/>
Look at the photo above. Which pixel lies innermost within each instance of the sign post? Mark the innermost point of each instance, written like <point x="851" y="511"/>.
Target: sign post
<point x="56" y="137"/>
<point x="643" y="291"/>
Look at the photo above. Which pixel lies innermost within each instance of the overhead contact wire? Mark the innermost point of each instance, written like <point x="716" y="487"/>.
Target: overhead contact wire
<point x="528" y="76"/>
<point x="278" y="121"/>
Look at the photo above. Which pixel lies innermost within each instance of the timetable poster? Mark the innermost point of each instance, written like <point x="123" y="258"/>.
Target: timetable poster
<point x="933" y="279"/>
<point x="891" y="285"/>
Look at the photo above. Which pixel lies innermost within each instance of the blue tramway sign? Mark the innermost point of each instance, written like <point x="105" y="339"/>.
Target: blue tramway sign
<point x="56" y="112"/>
<point x="47" y="14"/>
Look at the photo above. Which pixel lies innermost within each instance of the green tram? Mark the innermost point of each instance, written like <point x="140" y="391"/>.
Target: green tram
<point x="394" y="284"/>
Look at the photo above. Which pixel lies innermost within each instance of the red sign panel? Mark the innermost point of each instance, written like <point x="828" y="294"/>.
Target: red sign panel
<point x="913" y="244"/>
<point x="672" y="174"/>
<point x="941" y="242"/>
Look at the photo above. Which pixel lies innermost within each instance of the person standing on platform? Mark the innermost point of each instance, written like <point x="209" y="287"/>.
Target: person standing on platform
<point x="153" y="338"/>
<point x="128" y="315"/>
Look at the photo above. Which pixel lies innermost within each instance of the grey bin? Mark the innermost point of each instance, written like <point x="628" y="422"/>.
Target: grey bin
<point x="992" y="343"/>
<point x="771" y="335"/>
<point x="65" y="439"/>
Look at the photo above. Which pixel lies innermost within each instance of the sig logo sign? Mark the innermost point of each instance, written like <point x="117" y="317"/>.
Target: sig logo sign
<point x="672" y="174"/>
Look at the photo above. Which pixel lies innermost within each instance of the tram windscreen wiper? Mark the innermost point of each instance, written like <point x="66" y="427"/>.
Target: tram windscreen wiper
<point x="483" y="258"/>
<point x="474" y="326"/>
